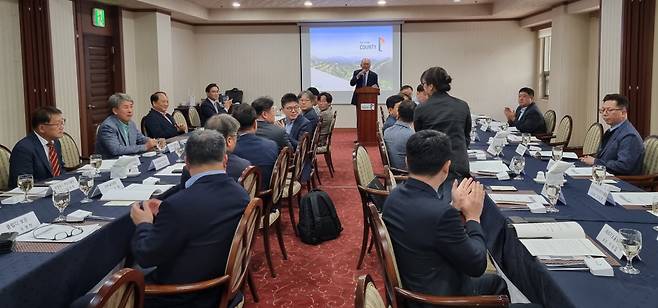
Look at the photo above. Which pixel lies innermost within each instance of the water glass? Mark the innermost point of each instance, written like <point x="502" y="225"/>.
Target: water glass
<point x="473" y="135"/>
<point x="86" y="182"/>
<point x="525" y="139"/>
<point x="517" y="165"/>
<point x="96" y="160"/>
<point x="498" y="149"/>
<point x="503" y="126"/>
<point x="553" y="194"/>
<point x="61" y="199"/>
<point x="631" y="241"/>
<point x="654" y="209"/>
<point x="179" y="152"/>
<point x="160" y="146"/>
<point x="25" y="183"/>
<point x="598" y="174"/>
<point x="557" y="152"/>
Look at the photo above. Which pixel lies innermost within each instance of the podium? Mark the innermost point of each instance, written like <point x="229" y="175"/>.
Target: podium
<point x="366" y="115"/>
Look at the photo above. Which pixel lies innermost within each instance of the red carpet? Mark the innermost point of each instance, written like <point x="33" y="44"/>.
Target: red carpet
<point x="323" y="275"/>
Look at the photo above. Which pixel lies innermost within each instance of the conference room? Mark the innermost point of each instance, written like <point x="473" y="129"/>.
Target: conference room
<point x="353" y="153"/>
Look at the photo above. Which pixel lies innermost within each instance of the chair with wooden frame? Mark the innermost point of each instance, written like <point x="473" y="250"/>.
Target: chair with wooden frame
<point x="5" y="154"/>
<point x="563" y="134"/>
<point x="367" y="295"/>
<point x="179" y="118"/>
<point x="381" y="113"/>
<point x="237" y="264"/>
<point x="195" y="119"/>
<point x="397" y="295"/>
<point x="549" y="120"/>
<point x="648" y="180"/>
<point x="383" y="152"/>
<point x="312" y="159"/>
<point x="591" y="143"/>
<point x="272" y="197"/>
<point x="124" y="289"/>
<point x="325" y="148"/>
<point x="292" y="186"/>
<point x="70" y="153"/>
<point x="142" y="125"/>
<point x="250" y="180"/>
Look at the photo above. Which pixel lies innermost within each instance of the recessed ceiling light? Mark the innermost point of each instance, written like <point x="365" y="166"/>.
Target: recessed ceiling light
<point x="456" y="0"/>
<point x="308" y="3"/>
<point x="236" y="4"/>
<point x="381" y="2"/>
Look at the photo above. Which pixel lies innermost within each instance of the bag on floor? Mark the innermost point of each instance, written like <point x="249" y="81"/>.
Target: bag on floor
<point x="318" y="221"/>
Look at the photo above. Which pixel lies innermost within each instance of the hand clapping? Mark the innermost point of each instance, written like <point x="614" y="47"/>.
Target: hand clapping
<point x="468" y="197"/>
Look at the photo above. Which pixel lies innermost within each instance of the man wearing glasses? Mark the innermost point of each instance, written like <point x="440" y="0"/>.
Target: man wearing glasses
<point x="621" y="150"/>
<point x="527" y="118"/>
<point x="40" y="152"/>
<point x="294" y="125"/>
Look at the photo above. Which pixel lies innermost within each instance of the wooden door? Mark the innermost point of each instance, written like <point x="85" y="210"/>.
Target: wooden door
<point x="99" y="81"/>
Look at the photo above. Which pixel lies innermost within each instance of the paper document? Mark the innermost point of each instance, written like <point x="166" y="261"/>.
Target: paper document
<point x="582" y="172"/>
<point x="634" y="198"/>
<point x="568" y="155"/>
<point x="559" y="167"/>
<point x="561" y="247"/>
<point x="520" y="199"/>
<point x="106" y="165"/>
<point x="488" y="166"/>
<point x="172" y="170"/>
<point x="135" y="192"/>
<point x="567" y="229"/>
<point x="37" y="191"/>
<point x="46" y="232"/>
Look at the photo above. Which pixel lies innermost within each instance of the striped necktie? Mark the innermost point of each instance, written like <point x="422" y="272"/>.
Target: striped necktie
<point x="52" y="158"/>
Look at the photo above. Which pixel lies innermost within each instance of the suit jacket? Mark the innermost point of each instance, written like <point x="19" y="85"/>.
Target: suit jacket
<point x="390" y="121"/>
<point x="206" y="110"/>
<point x="327" y="116"/>
<point x="261" y="152"/>
<point x="158" y="127"/>
<point x="191" y="236"/>
<point x="436" y="252"/>
<point x="111" y="143"/>
<point x="621" y="151"/>
<point x="312" y="117"/>
<point x="274" y="133"/>
<point x="358" y="82"/>
<point x="300" y="126"/>
<point x="531" y="122"/>
<point x="451" y="116"/>
<point x="28" y="157"/>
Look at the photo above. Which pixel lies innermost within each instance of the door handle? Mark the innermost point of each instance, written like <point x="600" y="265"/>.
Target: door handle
<point x="90" y="106"/>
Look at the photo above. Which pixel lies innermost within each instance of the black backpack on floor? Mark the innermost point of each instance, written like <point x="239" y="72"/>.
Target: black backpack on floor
<point x="318" y="221"/>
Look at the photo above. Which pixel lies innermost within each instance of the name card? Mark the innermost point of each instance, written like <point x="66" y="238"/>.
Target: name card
<point x="151" y="181"/>
<point x="611" y="240"/>
<point x="481" y="156"/>
<point x="173" y="146"/>
<point x="70" y="184"/>
<point x="600" y="193"/>
<point x="114" y="184"/>
<point x="118" y="173"/>
<point x="554" y="178"/>
<point x="21" y="224"/>
<point x="537" y="208"/>
<point x="521" y="149"/>
<point x="599" y="267"/>
<point x="159" y="163"/>
<point x="484" y="127"/>
<point x="503" y="175"/>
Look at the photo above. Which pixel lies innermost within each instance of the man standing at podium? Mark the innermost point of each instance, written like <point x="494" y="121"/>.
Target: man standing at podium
<point x="363" y="78"/>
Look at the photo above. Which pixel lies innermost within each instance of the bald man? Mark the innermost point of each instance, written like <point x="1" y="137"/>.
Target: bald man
<point x="363" y="78"/>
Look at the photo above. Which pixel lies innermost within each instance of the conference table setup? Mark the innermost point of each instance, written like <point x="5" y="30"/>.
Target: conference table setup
<point x="563" y="258"/>
<point x="51" y="267"/>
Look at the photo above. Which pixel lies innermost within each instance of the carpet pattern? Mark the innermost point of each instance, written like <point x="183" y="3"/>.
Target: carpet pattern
<point x="323" y="275"/>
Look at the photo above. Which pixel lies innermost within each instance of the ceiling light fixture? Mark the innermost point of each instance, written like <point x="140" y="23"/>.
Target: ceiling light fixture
<point x="456" y="0"/>
<point x="308" y="3"/>
<point x="236" y="4"/>
<point x="381" y="2"/>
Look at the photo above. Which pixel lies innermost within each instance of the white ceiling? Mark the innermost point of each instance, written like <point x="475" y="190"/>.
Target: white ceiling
<point x="218" y="4"/>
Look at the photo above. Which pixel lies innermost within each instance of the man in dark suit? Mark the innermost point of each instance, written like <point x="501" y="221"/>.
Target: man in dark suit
<point x="363" y="78"/>
<point x="39" y="153"/>
<point x="621" y="150"/>
<point x="264" y="107"/>
<point x="527" y="118"/>
<point x="306" y="102"/>
<point x="440" y="248"/>
<point x="158" y="123"/>
<point x="294" y="124"/>
<point x="187" y="236"/>
<point x="392" y="103"/>
<point x="213" y="104"/>
<point x="261" y="152"/>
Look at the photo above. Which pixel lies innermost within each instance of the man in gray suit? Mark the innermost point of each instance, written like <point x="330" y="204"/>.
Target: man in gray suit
<point x="118" y="134"/>
<point x="266" y="128"/>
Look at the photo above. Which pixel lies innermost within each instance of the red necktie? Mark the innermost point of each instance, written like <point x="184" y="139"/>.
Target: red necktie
<point x="52" y="158"/>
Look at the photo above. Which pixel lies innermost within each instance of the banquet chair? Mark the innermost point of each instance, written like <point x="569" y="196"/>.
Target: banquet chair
<point x="179" y="118"/>
<point x="5" y="153"/>
<point x="648" y="180"/>
<point x="563" y="134"/>
<point x="250" y="180"/>
<point x="292" y="186"/>
<point x="70" y="153"/>
<point x="312" y="160"/>
<point x="195" y="119"/>
<point x="142" y="125"/>
<point x="325" y="147"/>
<point x="381" y="113"/>
<point x="367" y="295"/>
<point x="124" y="289"/>
<point x="383" y="152"/>
<point x="549" y="120"/>
<point x="591" y="143"/>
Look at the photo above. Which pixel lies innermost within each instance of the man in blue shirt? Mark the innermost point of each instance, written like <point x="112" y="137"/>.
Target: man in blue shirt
<point x="397" y="135"/>
<point x="621" y="150"/>
<point x="294" y="123"/>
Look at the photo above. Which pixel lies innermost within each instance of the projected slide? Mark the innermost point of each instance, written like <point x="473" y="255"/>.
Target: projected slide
<point x="330" y="54"/>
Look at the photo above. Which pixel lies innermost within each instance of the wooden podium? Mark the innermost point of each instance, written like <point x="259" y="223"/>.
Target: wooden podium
<point x="366" y="115"/>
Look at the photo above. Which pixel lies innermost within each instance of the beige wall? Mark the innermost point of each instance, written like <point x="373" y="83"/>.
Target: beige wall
<point x="610" y="56"/>
<point x="654" y="81"/>
<point x="12" y="109"/>
<point x="591" y="109"/>
<point x="185" y="66"/>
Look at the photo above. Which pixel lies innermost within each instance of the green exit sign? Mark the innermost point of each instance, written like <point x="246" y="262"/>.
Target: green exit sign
<point x="98" y="17"/>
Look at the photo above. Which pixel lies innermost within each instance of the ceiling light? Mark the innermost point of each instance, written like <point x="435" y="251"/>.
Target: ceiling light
<point x="456" y="0"/>
<point x="381" y="2"/>
<point x="236" y="4"/>
<point x="308" y="3"/>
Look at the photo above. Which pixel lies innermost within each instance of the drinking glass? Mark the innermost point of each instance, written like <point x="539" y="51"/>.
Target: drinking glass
<point x="86" y="182"/>
<point x="179" y="152"/>
<point x="631" y="241"/>
<point x="654" y="209"/>
<point x="473" y="135"/>
<point x="598" y="174"/>
<point x="96" y="160"/>
<point x="553" y="194"/>
<point x="25" y="183"/>
<point x="525" y="139"/>
<point x="517" y="165"/>
<point x="503" y="126"/>
<point x="61" y="199"/>
<point x="498" y="149"/>
<point x="160" y="146"/>
<point x="557" y="152"/>
<point x="488" y="121"/>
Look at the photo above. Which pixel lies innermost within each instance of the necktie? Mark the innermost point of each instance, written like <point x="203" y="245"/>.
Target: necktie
<point x="365" y="79"/>
<point x="606" y="137"/>
<point x="52" y="158"/>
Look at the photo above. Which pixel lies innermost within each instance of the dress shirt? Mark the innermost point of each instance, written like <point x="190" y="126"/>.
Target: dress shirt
<point x="521" y="113"/>
<point x="289" y="125"/>
<point x="396" y="138"/>
<point x="197" y="176"/>
<point x="164" y="115"/>
<point x="44" y="143"/>
<point x="123" y="127"/>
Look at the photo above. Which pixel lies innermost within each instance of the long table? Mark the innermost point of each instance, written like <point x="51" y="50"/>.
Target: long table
<point x="571" y="288"/>
<point x="55" y="279"/>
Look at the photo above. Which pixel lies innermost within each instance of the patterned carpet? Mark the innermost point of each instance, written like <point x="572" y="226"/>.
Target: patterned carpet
<point x="323" y="275"/>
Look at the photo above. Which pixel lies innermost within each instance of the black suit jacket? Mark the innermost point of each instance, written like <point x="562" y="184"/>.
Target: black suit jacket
<point x="451" y="116"/>
<point x="28" y="157"/>
<point x="532" y="121"/>
<point x="312" y="117"/>
<point x="300" y="126"/>
<point x="158" y="127"/>
<point x="274" y="133"/>
<point x="358" y="82"/>
<point x="206" y="110"/>
<point x="261" y="152"/>
<point x="190" y="238"/>
<point x="436" y="252"/>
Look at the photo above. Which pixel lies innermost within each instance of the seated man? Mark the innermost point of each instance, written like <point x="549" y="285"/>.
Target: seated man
<point x="213" y="104"/>
<point x="264" y="107"/>
<point x="39" y="153"/>
<point x="327" y="115"/>
<point x="294" y="125"/>
<point x="315" y="92"/>
<point x="158" y="123"/>
<point x="421" y="95"/>
<point x="118" y="134"/>
<point x="407" y="92"/>
<point x="392" y="103"/>
<point x="527" y="118"/>
<point x="439" y="250"/>
<point x="261" y="152"/>
<point x="397" y="135"/>
<point x="306" y="103"/>
<point x="621" y="150"/>
<point x="187" y="236"/>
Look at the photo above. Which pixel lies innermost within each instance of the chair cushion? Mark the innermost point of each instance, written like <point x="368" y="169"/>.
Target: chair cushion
<point x="273" y="217"/>
<point x="322" y="149"/>
<point x="296" y="187"/>
<point x="373" y="299"/>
